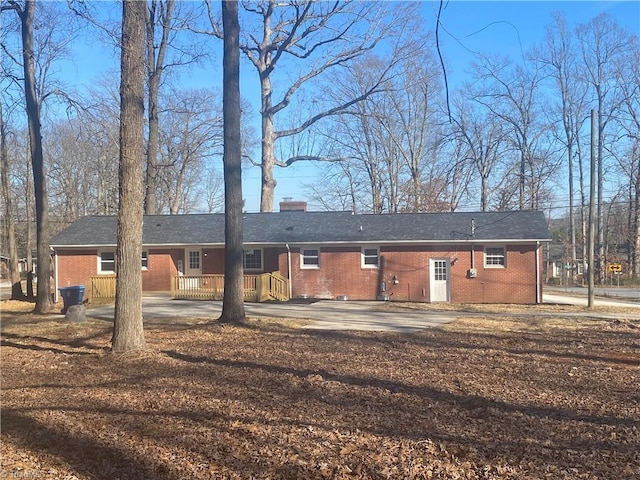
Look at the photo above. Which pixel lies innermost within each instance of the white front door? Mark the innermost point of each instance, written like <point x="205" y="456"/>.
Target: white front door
<point x="439" y="280"/>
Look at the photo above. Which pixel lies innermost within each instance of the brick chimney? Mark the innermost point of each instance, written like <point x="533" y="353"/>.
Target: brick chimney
<point x="289" y="205"/>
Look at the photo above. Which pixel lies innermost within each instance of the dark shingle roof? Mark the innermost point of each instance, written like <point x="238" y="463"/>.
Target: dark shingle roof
<point x="317" y="227"/>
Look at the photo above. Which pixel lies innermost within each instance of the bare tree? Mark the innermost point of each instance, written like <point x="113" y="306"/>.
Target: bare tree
<point x="9" y="230"/>
<point x="313" y="39"/>
<point x="158" y="13"/>
<point x="128" y="331"/>
<point x="212" y="189"/>
<point x="602" y="42"/>
<point x="513" y="94"/>
<point x="26" y="13"/>
<point x="482" y="141"/>
<point x="392" y="140"/>
<point x="190" y="137"/>
<point x="628" y="154"/>
<point x="409" y="118"/>
<point x="99" y="127"/>
<point x="233" y="301"/>
<point x="560" y="57"/>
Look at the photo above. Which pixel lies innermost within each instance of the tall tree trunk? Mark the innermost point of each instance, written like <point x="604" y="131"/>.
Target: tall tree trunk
<point x="29" y="227"/>
<point x="572" y="222"/>
<point x="128" y="332"/>
<point x="43" y="297"/>
<point x="521" y="183"/>
<point x="268" y="147"/>
<point x="484" y="190"/>
<point x="233" y="301"/>
<point x="150" y="201"/>
<point x="9" y="220"/>
<point x="156" y="52"/>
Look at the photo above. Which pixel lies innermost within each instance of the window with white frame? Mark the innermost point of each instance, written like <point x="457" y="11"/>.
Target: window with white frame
<point x="194" y="260"/>
<point x="310" y="257"/>
<point x="370" y="257"/>
<point x="107" y="261"/>
<point x="495" y="257"/>
<point x="252" y="259"/>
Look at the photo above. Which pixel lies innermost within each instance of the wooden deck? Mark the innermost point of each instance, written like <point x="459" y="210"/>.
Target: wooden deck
<point x="257" y="288"/>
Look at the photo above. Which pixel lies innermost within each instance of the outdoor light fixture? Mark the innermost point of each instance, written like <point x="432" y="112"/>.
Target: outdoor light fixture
<point x="395" y="280"/>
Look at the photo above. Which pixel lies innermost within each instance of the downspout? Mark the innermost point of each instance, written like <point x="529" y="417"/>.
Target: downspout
<point x="55" y="276"/>
<point x="538" y="292"/>
<point x="473" y="254"/>
<point x="289" y="270"/>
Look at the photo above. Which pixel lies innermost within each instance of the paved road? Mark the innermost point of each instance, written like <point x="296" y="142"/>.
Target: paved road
<point x="630" y="294"/>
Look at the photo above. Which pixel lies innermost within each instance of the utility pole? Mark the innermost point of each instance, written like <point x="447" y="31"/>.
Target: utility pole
<point x="592" y="220"/>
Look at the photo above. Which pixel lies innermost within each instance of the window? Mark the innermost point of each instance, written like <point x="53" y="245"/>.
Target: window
<point x="494" y="257"/>
<point x="107" y="262"/>
<point x="370" y="257"/>
<point x="252" y="259"/>
<point x="194" y="260"/>
<point x="440" y="270"/>
<point x="309" y="258"/>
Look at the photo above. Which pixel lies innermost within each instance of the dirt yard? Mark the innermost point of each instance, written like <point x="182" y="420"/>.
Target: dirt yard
<point x="483" y="398"/>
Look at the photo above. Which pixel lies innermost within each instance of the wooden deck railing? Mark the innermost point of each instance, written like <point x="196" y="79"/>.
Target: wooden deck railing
<point x="257" y="288"/>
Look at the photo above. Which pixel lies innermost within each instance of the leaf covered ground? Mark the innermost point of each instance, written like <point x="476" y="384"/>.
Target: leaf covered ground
<point x="483" y="398"/>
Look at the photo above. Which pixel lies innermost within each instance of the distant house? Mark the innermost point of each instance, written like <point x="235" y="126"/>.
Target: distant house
<point x="490" y="257"/>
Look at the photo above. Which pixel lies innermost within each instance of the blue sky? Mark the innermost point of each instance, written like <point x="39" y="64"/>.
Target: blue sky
<point x="505" y="27"/>
<point x="511" y="27"/>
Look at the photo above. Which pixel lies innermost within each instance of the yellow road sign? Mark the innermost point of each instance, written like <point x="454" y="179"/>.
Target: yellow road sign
<point x="615" y="267"/>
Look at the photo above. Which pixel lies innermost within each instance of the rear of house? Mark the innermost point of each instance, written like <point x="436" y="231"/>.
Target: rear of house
<point x="490" y="257"/>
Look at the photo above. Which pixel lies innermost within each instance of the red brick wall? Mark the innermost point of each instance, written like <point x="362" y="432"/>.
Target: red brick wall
<point x="75" y="267"/>
<point x="340" y="273"/>
<point x="162" y="266"/>
<point x="516" y="283"/>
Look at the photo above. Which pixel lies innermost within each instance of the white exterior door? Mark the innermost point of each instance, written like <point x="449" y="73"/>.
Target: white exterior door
<point x="439" y="280"/>
<point x="193" y="263"/>
<point x="192" y="268"/>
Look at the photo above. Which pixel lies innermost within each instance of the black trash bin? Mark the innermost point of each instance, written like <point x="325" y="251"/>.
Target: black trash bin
<point x="71" y="296"/>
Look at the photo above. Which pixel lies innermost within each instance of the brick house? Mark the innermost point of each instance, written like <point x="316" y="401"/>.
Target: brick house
<point x="461" y="257"/>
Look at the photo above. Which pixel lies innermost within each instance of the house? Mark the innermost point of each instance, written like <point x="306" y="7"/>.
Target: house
<point x="461" y="257"/>
<point x="561" y="268"/>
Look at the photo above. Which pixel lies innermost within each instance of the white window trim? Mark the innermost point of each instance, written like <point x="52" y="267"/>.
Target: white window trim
<point x="302" y="257"/>
<point x="261" y="268"/>
<point x="362" y="256"/>
<point x="111" y="272"/>
<point x="504" y="249"/>
<point x="188" y="259"/>
<point x="106" y="272"/>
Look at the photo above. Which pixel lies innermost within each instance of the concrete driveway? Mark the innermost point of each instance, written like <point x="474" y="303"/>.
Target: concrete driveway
<point x="324" y="315"/>
<point x="334" y="314"/>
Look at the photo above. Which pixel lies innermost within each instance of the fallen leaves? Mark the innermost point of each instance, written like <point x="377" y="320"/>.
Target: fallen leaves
<point x="542" y="398"/>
